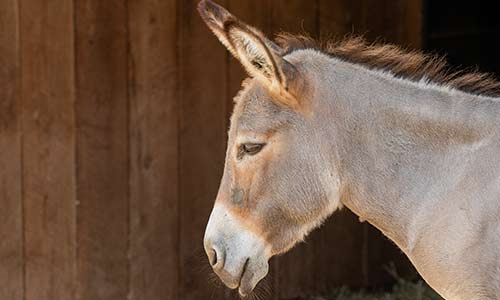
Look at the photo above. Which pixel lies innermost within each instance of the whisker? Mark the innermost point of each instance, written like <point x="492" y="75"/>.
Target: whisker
<point x="212" y="293"/>
<point x="262" y="290"/>
<point x="198" y="263"/>
<point x="253" y="296"/>
<point x="267" y="288"/>
<point x="258" y="296"/>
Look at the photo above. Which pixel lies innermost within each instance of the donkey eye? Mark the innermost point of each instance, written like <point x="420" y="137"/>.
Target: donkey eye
<point x="251" y="148"/>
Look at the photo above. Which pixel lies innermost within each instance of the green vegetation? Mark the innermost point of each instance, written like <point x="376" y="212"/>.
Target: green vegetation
<point x="404" y="289"/>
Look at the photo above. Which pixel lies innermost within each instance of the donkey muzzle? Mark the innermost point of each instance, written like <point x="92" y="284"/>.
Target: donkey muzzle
<point x="238" y="256"/>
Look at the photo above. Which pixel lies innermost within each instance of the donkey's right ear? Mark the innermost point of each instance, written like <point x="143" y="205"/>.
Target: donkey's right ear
<point x="259" y="56"/>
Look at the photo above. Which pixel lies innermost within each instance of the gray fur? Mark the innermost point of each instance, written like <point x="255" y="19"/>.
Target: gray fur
<point x="419" y="161"/>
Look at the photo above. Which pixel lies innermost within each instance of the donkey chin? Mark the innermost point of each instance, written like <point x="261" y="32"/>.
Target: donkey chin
<point x="237" y="255"/>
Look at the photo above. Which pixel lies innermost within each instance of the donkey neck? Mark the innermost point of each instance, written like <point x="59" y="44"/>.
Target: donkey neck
<point x="401" y="144"/>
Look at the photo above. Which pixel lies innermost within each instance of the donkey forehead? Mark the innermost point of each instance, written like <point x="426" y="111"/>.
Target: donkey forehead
<point x="255" y="111"/>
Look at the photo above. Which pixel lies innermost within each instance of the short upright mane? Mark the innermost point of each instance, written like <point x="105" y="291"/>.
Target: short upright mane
<point x="412" y="65"/>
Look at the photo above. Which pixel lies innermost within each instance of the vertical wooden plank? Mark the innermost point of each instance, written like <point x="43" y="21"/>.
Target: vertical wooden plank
<point x="339" y="18"/>
<point x="382" y="254"/>
<point x="154" y="224"/>
<point x="413" y="36"/>
<point x="338" y="249"/>
<point x="11" y="227"/>
<point x="48" y="148"/>
<point x="397" y="22"/>
<point x="203" y="92"/>
<point x="295" y="16"/>
<point x="102" y="149"/>
<point x="293" y="270"/>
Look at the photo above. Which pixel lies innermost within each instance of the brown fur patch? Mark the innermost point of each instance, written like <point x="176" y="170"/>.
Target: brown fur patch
<point x="412" y="65"/>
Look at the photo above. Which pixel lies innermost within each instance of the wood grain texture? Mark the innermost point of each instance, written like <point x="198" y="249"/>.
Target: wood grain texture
<point x="338" y="252"/>
<point x="48" y="96"/>
<point x="154" y="238"/>
<point x="102" y="149"/>
<point x="383" y="254"/>
<point x="203" y="99"/>
<point x="292" y="271"/>
<point x="398" y="22"/>
<point x="113" y="128"/>
<point x="11" y="227"/>
<point x="295" y="16"/>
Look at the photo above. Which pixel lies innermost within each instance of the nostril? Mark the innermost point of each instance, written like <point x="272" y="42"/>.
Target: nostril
<point x="212" y="257"/>
<point x="216" y="258"/>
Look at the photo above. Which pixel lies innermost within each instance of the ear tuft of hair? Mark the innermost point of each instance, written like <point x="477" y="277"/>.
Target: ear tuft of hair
<point x="214" y="15"/>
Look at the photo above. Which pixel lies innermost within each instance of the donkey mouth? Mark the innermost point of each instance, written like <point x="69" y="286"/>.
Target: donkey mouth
<point x="250" y="272"/>
<point x="244" y="289"/>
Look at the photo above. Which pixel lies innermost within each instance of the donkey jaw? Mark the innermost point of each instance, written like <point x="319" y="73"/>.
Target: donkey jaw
<point x="237" y="255"/>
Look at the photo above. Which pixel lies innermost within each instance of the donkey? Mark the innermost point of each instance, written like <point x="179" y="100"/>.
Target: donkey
<point x="389" y="134"/>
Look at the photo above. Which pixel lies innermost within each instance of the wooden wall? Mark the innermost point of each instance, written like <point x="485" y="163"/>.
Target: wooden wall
<point x="113" y="120"/>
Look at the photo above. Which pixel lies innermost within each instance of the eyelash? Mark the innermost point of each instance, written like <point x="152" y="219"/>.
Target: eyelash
<point x="249" y="149"/>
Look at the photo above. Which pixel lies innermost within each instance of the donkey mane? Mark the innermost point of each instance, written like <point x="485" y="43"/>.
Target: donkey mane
<point x="412" y="65"/>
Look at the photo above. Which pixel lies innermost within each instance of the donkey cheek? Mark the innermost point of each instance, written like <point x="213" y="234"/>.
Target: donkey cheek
<point x="237" y="196"/>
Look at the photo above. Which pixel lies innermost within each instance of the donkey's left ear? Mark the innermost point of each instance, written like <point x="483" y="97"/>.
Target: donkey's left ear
<point x="261" y="57"/>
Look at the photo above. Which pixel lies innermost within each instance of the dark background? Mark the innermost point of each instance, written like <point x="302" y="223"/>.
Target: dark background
<point x="465" y="32"/>
<point x="113" y="120"/>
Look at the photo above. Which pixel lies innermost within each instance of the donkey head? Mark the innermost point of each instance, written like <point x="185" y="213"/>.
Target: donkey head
<point x="277" y="183"/>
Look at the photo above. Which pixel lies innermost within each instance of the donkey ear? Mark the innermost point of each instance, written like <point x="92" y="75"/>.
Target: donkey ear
<point x="261" y="57"/>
